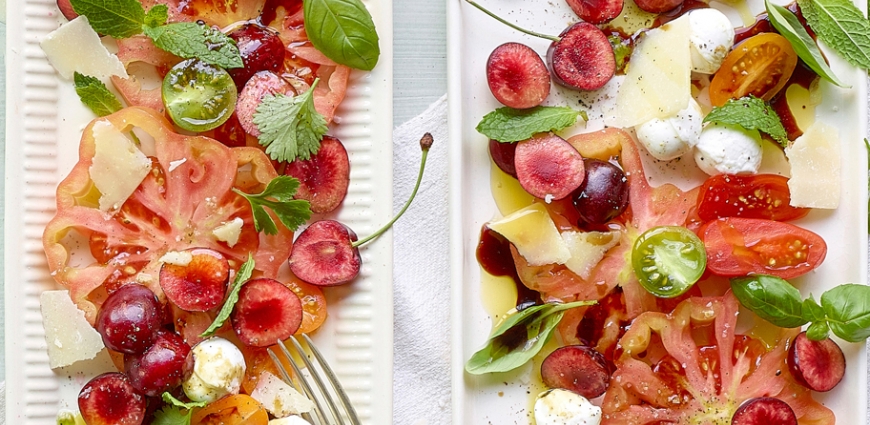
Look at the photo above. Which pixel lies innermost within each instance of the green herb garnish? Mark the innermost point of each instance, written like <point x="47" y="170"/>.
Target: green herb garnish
<point x="242" y="276"/>
<point x="171" y="415"/>
<point x="750" y="113"/>
<point x="519" y="337"/>
<point x="344" y="31"/>
<point x="95" y="95"/>
<point x="844" y="309"/>
<point x="170" y="399"/>
<point x="842" y="26"/>
<point x="509" y="125"/>
<point x="278" y="197"/>
<point x="290" y="127"/>
<point x="117" y="18"/>
<point x="621" y="51"/>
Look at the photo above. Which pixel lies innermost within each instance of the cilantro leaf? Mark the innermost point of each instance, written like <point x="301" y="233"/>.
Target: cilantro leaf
<point x="242" y="276"/>
<point x="117" y="18"/>
<point x="171" y="415"/>
<point x="95" y="95"/>
<point x="509" y="125"/>
<point x="750" y="113"/>
<point x="192" y="40"/>
<point x="170" y="399"/>
<point x="290" y="127"/>
<point x="292" y="212"/>
<point x="842" y="26"/>
<point x="157" y="16"/>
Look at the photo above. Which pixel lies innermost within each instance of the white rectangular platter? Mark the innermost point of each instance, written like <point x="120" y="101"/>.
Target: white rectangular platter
<point x="45" y="120"/>
<point x="507" y="398"/>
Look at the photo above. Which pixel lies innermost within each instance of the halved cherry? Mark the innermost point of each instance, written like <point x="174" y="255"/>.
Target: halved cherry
<point x="195" y="279"/>
<point x="161" y="367"/>
<point x="267" y="311"/>
<point x="577" y="368"/>
<point x="323" y="179"/>
<point x="764" y="411"/>
<point x="110" y="399"/>
<point x="548" y="167"/>
<point x="596" y="11"/>
<point x="817" y="365"/>
<point x="517" y="76"/>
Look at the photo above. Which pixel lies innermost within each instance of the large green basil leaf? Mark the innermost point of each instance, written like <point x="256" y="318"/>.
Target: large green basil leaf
<point x="848" y="309"/>
<point x="518" y="338"/>
<point x="344" y="31"/>
<point x="771" y="298"/>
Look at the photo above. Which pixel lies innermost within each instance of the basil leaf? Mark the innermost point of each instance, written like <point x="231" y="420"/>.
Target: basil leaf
<point x="508" y="125"/>
<point x="518" y="338"/>
<point x="750" y="113"/>
<point x="117" y="18"/>
<point x="842" y="26"/>
<point x="812" y="311"/>
<point x="342" y="30"/>
<point x="791" y="28"/>
<point x="771" y="298"/>
<point x="848" y="310"/>
<point x="242" y="276"/>
<point x="192" y="40"/>
<point x="818" y="331"/>
<point x="168" y="398"/>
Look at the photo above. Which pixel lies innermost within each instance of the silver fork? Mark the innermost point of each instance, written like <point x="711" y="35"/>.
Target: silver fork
<point x="332" y="407"/>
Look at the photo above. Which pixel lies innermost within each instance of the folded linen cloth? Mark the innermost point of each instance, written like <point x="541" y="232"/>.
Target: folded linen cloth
<point x="421" y="275"/>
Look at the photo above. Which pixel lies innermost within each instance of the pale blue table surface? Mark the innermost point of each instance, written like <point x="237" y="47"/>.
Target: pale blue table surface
<point x="419" y="70"/>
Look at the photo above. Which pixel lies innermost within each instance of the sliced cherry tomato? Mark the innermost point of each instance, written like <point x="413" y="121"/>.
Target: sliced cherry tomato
<point x="235" y="409"/>
<point x="668" y="260"/>
<point x="759" y="66"/>
<point x="753" y="196"/>
<point x="742" y="246"/>
<point x="313" y="305"/>
<point x="199" y="96"/>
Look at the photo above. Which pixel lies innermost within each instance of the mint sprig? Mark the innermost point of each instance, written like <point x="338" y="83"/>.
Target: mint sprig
<point x="117" y="18"/>
<point x="95" y="95"/>
<point x="290" y="127"/>
<point x="508" y="125"/>
<point x="750" y="113"/>
<point x="242" y="276"/>
<point x="278" y="197"/>
<point x="842" y="26"/>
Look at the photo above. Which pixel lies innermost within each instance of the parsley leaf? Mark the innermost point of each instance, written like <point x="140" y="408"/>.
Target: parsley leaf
<point x="842" y="26"/>
<point x="117" y="18"/>
<point x="170" y="399"/>
<point x="242" y="276"/>
<point x="509" y="125"/>
<point x="292" y="212"/>
<point x="171" y="415"/>
<point x="750" y="113"/>
<point x="95" y="95"/>
<point x="192" y="40"/>
<point x="157" y="15"/>
<point x="290" y="127"/>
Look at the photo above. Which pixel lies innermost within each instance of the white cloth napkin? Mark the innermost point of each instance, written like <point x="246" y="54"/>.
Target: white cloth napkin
<point x="421" y="275"/>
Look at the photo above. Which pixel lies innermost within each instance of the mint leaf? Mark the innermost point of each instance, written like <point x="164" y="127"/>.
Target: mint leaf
<point x="292" y="212"/>
<point x="95" y="95"/>
<point x="171" y="415"/>
<point x="192" y="40"/>
<point x="750" y="113"/>
<point x="290" y="127"/>
<point x="157" y="16"/>
<point x="509" y="125"/>
<point x="842" y="26"/>
<point x="170" y="399"/>
<point x="791" y="28"/>
<point x="242" y="276"/>
<point x="117" y="18"/>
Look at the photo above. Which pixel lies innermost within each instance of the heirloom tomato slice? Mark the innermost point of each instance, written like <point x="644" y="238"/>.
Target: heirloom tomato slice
<point x="234" y="409"/>
<point x="742" y="246"/>
<point x="691" y="367"/>
<point x="186" y="195"/>
<point x="750" y="196"/>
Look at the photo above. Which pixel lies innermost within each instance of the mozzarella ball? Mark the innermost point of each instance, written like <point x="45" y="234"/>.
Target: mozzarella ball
<point x="728" y="149"/>
<point x="218" y="370"/>
<point x="672" y="137"/>
<point x="712" y="36"/>
<point x="563" y="407"/>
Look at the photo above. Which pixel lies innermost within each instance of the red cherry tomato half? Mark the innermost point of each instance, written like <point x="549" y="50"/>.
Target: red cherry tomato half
<point x="754" y="196"/>
<point x="741" y="246"/>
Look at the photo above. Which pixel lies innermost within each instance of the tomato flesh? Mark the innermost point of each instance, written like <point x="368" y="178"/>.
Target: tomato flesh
<point x="668" y="260"/>
<point x="236" y="409"/>
<point x="742" y="246"/>
<point x="753" y="196"/>
<point x="759" y="66"/>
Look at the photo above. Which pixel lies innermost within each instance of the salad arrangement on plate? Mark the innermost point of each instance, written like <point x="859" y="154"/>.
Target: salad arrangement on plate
<point x="670" y="303"/>
<point x="174" y="230"/>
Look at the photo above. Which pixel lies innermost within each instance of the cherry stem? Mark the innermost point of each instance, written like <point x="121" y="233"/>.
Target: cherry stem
<point x="425" y="144"/>
<point x="518" y="28"/>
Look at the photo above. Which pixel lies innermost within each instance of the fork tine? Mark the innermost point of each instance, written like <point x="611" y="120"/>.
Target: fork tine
<point x="300" y="383"/>
<point x="348" y="407"/>
<point x="318" y="380"/>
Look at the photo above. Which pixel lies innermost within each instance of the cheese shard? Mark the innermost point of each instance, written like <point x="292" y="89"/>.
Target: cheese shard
<point x="118" y="166"/>
<point x="587" y="249"/>
<point x="75" y="47"/>
<point x="658" y="81"/>
<point x="280" y="399"/>
<point x="68" y="335"/>
<point x="229" y="232"/>
<point x="534" y="234"/>
<point x="815" y="168"/>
